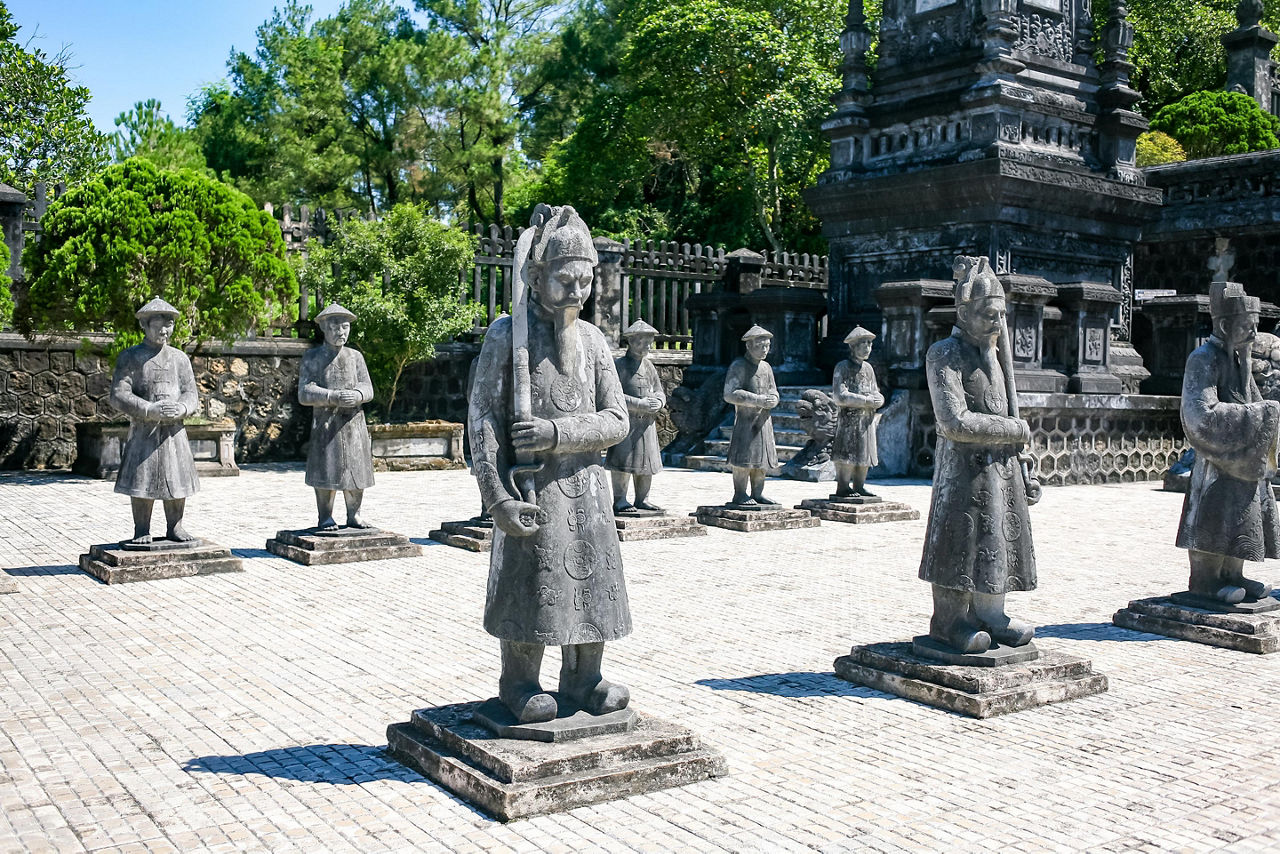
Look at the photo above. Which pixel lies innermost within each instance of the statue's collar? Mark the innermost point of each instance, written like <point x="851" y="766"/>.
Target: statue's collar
<point x="978" y="343"/>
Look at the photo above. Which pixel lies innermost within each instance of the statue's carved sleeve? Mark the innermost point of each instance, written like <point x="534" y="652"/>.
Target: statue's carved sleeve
<point x="850" y="391"/>
<point x="655" y="382"/>
<point x="122" y="394"/>
<point x="311" y="392"/>
<point x="736" y="395"/>
<point x="489" y="418"/>
<point x="609" y="424"/>
<point x="364" y="385"/>
<point x="1221" y="428"/>
<point x="188" y="395"/>
<point x="955" y="420"/>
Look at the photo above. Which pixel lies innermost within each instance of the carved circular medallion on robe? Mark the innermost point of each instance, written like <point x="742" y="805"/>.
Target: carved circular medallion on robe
<point x="586" y="633"/>
<point x="997" y="403"/>
<point x="580" y="560"/>
<point x="1012" y="527"/>
<point x="566" y="394"/>
<point x="573" y="479"/>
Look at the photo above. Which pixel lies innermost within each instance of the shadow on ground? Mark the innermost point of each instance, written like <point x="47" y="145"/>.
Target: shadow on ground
<point x="252" y="553"/>
<point x="795" y="684"/>
<point x="62" y="569"/>
<point x="1093" y="632"/>
<point x="339" y="764"/>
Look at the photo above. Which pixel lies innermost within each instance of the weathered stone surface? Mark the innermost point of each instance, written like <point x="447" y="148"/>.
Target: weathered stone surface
<point x="1257" y="633"/>
<point x="417" y="446"/>
<point x="766" y="518"/>
<point x="99" y="447"/>
<point x="997" y="656"/>
<point x="310" y="548"/>
<point x="497" y="718"/>
<point x="631" y="529"/>
<point x="7" y="584"/>
<point x="978" y="692"/>
<point x="474" y="535"/>
<point x="859" y="512"/>
<point x="113" y="565"/>
<point x="518" y="778"/>
<point x="1197" y="600"/>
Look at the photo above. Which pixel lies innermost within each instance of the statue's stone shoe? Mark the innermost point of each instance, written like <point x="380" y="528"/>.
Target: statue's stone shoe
<point x="532" y="707"/>
<point x="1255" y="590"/>
<point x="1230" y="594"/>
<point x="1017" y="633"/>
<point x="963" y="639"/>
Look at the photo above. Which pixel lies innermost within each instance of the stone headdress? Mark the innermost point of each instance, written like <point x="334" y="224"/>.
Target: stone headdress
<point x="333" y="311"/>
<point x="859" y="334"/>
<point x="639" y="328"/>
<point x="560" y="233"/>
<point x="156" y="307"/>
<point x="756" y="331"/>
<point x="1228" y="299"/>
<point x="975" y="280"/>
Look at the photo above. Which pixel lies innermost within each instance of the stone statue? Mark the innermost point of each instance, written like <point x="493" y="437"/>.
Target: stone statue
<point x="155" y="386"/>
<point x="639" y="455"/>
<point x="750" y="388"/>
<point x="856" y="393"/>
<point x="1229" y="515"/>
<point x="546" y="403"/>
<point x="334" y="381"/>
<point x="978" y="541"/>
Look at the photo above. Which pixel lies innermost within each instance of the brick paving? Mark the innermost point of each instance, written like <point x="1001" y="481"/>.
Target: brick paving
<point x="247" y="711"/>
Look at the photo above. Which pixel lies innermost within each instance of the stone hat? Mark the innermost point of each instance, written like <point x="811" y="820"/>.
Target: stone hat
<point x="859" y="334"/>
<point x="639" y="328"/>
<point x="980" y="281"/>
<point x="561" y="235"/>
<point x="156" y="306"/>
<point x="756" y="332"/>
<point x="333" y="310"/>
<point x="1228" y="299"/>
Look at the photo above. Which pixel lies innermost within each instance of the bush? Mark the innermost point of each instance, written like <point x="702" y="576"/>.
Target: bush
<point x="1155" y="148"/>
<point x="1210" y="124"/>
<point x="401" y="277"/>
<point x="136" y="232"/>
<point x="6" y="297"/>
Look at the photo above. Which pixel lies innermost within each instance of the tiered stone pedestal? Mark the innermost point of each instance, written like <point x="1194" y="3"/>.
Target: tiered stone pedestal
<point x="345" y="545"/>
<point x="474" y="535"/>
<point x="767" y="517"/>
<point x="655" y="525"/>
<point x="512" y="771"/>
<point x="859" y="509"/>
<point x="1248" y="627"/>
<point x="114" y="564"/>
<point x="984" y="685"/>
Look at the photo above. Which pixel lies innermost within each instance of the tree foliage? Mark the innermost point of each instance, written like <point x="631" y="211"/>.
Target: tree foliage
<point x="401" y="276"/>
<point x="1209" y="124"/>
<point x="136" y="231"/>
<point x="45" y="133"/>
<point x="6" y="296"/>
<point x="1155" y="148"/>
<point x="147" y="132"/>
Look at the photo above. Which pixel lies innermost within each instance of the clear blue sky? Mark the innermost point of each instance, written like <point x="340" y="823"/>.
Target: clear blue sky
<point x="130" y="50"/>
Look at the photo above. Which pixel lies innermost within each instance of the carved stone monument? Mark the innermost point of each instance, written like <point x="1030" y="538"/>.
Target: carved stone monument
<point x="976" y="659"/>
<point x="854" y="451"/>
<point x="750" y="389"/>
<point x="474" y="534"/>
<point x="155" y="386"/>
<point x="334" y="382"/>
<point x="1229" y="515"/>
<point x="547" y="401"/>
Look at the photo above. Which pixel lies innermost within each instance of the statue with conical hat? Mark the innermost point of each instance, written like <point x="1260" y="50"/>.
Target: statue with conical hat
<point x="750" y="388"/>
<point x="638" y="456"/>
<point x="857" y="397"/>
<point x="978" y="540"/>
<point x="547" y="402"/>
<point x="334" y="381"/>
<point x="155" y="386"/>
<point x="1229" y="513"/>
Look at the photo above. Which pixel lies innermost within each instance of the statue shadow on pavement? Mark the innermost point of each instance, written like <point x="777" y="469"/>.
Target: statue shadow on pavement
<point x="60" y="569"/>
<point x="339" y="764"/>
<point x="1102" y="632"/>
<point x="795" y="684"/>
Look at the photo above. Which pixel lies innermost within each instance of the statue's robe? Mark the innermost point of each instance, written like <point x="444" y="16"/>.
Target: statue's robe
<point x="564" y="584"/>
<point x="639" y="452"/>
<point x="857" y="397"/>
<point x="1229" y="508"/>
<point x="340" y="455"/>
<point x="979" y="532"/>
<point x="156" y="462"/>
<point x="751" y="390"/>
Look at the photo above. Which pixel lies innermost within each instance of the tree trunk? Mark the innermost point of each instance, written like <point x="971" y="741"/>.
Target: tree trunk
<point x="499" y="190"/>
<point x="395" y="385"/>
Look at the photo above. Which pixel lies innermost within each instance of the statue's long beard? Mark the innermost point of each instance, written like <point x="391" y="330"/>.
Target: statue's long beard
<point x="566" y="331"/>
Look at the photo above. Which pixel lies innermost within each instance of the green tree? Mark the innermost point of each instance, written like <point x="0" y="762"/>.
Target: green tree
<point x="45" y="133"/>
<point x="147" y="132"/>
<point x="1156" y="148"/>
<point x="402" y="277"/>
<point x="6" y="296"/>
<point x="136" y="231"/>
<point x="1209" y="124"/>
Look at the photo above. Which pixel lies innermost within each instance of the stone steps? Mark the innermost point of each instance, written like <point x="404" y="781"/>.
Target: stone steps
<point x="788" y="434"/>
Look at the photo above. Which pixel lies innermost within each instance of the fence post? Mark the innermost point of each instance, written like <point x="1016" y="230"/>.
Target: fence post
<point x="607" y="314"/>
<point x="743" y="272"/>
<point x="13" y="205"/>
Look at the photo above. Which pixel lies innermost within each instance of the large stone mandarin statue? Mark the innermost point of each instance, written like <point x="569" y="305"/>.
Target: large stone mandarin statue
<point x="978" y="541"/>
<point x="638" y="456"/>
<point x="857" y="395"/>
<point x="334" y="381"/>
<point x="155" y="386"/>
<point x="546" y="403"/>
<point x="751" y="390"/>
<point x="1229" y="515"/>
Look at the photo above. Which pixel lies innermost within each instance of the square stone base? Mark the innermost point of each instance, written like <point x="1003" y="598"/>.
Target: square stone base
<point x="632" y="528"/>
<point x="114" y="565"/>
<point x="472" y="535"/>
<point x="766" y="518"/>
<point x="1243" y="631"/>
<point x="309" y="548"/>
<point x="516" y="778"/>
<point x="978" y="692"/>
<point x="859" y="512"/>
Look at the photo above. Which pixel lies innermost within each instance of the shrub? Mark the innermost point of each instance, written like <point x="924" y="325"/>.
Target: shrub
<point x="1209" y="124"/>
<point x="1155" y="148"/>
<point x="136" y="232"/>
<point x="6" y="297"/>
<point x="401" y="277"/>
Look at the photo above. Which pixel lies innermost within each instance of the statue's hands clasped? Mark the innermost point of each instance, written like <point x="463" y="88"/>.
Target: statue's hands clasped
<point x="346" y="398"/>
<point x="653" y="404"/>
<point x="515" y="518"/>
<point x="536" y="434"/>
<point x="165" y="410"/>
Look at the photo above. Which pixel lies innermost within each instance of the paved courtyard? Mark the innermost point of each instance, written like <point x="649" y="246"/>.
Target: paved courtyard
<point x="248" y="711"/>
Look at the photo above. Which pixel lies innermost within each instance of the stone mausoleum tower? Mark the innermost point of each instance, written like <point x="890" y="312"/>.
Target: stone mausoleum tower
<point x="987" y="128"/>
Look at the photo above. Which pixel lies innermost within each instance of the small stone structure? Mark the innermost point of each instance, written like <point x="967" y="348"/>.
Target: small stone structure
<point x="417" y="446"/>
<point x="100" y="444"/>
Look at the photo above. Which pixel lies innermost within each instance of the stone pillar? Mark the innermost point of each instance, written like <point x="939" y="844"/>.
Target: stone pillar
<point x="908" y="329"/>
<point x="1118" y="125"/>
<point x="1087" y="309"/>
<point x="1249" y="63"/>
<point x="793" y="316"/>
<point x="1027" y="298"/>
<point x="606" y="295"/>
<point x="12" y="206"/>
<point x="743" y="272"/>
<point x="1179" y="324"/>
